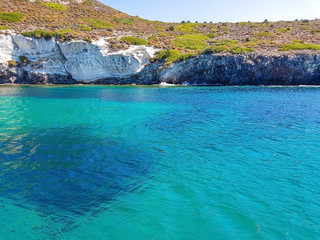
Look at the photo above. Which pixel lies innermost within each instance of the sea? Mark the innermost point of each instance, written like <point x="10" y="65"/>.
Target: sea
<point x="159" y="163"/>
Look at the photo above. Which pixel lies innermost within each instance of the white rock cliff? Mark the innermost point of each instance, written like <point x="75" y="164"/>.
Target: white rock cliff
<point x="81" y="60"/>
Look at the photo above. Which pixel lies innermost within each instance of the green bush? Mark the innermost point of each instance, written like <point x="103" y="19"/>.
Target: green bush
<point x="243" y="23"/>
<point x="84" y="27"/>
<point x="251" y="44"/>
<point x="63" y="32"/>
<point x="263" y="34"/>
<point x="173" y="55"/>
<point x="153" y="38"/>
<point x="159" y="28"/>
<point x="169" y="55"/>
<point x="315" y="31"/>
<point x="11" y="16"/>
<point x="99" y="24"/>
<point x="39" y="33"/>
<point x="285" y="30"/>
<point x="55" y="6"/>
<point x="299" y="46"/>
<point x="126" y="21"/>
<point x="185" y="56"/>
<point x="134" y="40"/>
<point x="215" y="49"/>
<point x="227" y="42"/>
<point x="187" y="27"/>
<point x="4" y="28"/>
<point x="239" y="50"/>
<point x="164" y="35"/>
<point x="193" y="42"/>
<point x="213" y="35"/>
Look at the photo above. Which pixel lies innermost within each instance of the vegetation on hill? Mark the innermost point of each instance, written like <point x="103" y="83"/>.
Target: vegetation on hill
<point x="91" y="19"/>
<point x="299" y="46"/>
<point x="55" y="6"/>
<point x="134" y="40"/>
<point x="11" y="17"/>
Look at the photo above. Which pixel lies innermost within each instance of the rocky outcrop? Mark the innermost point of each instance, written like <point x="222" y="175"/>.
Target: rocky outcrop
<point x="47" y="61"/>
<point x="249" y="69"/>
<point x="75" y="62"/>
<point x="300" y="68"/>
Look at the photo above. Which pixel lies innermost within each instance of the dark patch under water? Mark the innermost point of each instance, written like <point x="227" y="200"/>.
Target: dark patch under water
<point x="81" y="172"/>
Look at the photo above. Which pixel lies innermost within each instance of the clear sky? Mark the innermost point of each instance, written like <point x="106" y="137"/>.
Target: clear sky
<point x="219" y="10"/>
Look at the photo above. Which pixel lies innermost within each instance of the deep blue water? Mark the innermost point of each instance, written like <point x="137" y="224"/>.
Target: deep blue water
<point x="98" y="162"/>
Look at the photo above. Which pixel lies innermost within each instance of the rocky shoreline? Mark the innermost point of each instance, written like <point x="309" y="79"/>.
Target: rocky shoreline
<point x="80" y="62"/>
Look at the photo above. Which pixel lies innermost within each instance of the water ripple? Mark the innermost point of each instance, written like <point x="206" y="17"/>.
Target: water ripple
<point x="159" y="163"/>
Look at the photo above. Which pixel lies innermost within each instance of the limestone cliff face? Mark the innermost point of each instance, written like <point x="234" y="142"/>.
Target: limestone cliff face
<point x="76" y="61"/>
<point x="82" y="62"/>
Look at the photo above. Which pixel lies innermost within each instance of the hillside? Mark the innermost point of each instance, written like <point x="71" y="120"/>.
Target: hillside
<point x="90" y="19"/>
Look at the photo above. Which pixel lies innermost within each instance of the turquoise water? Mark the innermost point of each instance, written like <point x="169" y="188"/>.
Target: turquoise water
<point x="95" y="162"/>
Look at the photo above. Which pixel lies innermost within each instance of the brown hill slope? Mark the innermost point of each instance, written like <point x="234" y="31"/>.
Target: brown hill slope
<point x="90" y="19"/>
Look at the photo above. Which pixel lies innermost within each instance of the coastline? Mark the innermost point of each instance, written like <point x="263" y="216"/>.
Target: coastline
<point x="38" y="61"/>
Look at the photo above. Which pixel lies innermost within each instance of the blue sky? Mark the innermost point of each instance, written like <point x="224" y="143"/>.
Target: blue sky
<point x="219" y="10"/>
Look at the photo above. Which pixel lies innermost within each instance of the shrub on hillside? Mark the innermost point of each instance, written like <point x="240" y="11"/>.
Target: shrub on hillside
<point x="126" y="21"/>
<point x="285" y="30"/>
<point x="153" y="38"/>
<point x="55" y="6"/>
<point x="4" y="28"/>
<point x="84" y="27"/>
<point x="99" y="24"/>
<point x="215" y="49"/>
<point x="187" y="27"/>
<point x="299" y="46"/>
<point x="227" y="42"/>
<point x="39" y="33"/>
<point x="169" y="55"/>
<point x="239" y="50"/>
<point x="134" y="40"/>
<point x="213" y="35"/>
<point x="263" y="34"/>
<point x="173" y="55"/>
<point x="192" y="42"/>
<point x="11" y="16"/>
